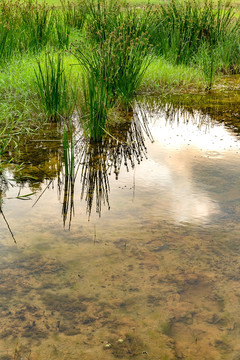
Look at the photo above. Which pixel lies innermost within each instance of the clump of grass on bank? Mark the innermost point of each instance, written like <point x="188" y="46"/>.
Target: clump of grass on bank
<point x="4" y="139"/>
<point x="120" y="47"/>
<point x="57" y="99"/>
<point x="28" y="27"/>
<point x="204" y="35"/>
<point x="18" y="91"/>
<point x="164" y="77"/>
<point x="184" y="26"/>
<point x="73" y="14"/>
<point x="115" y="60"/>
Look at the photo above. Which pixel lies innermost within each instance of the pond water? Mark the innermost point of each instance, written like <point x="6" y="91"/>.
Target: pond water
<point x="139" y="257"/>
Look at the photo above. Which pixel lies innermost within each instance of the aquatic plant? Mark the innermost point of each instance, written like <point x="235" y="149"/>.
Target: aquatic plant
<point x="120" y="51"/>
<point x="57" y="99"/>
<point x="94" y="106"/>
<point x="63" y="31"/>
<point x="206" y="59"/>
<point x="115" y="60"/>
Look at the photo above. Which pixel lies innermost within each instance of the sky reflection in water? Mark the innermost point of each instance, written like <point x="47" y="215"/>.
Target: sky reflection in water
<point x="160" y="168"/>
<point x="151" y="257"/>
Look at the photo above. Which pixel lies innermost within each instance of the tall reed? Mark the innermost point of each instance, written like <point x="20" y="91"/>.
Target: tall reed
<point x="183" y="26"/>
<point x="120" y="51"/>
<point x="30" y="26"/>
<point x="207" y="61"/>
<point x="115" y="59"/>
<point x="95" y="106"/>
<point x="56" y="97"/>
<point x="74" y="14"/>
<point x="5" y="50"/>
<point x="63" y="31"/>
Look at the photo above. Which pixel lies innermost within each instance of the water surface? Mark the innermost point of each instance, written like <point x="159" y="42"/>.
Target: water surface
<point x="139" y="257"/>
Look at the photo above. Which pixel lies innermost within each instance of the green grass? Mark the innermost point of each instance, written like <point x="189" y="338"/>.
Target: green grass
<point x="161" y="76"/>
<point x="18" y="91"/>
<point x="94" y="107"/>
<point x="235" y="4"/>
<point x="115" y="59"/>
<point x="57" y="97"/>
<point x="193" y="45"/>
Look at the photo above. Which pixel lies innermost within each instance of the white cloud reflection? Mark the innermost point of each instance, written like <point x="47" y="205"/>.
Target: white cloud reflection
<point x="179" y="149"/>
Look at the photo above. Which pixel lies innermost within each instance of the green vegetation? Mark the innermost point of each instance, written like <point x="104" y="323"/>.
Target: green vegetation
<point x="56" y="98"/>
<point x="112" y="51"/>
<point x="4" y="138"/>
<point x="115" y="60"/>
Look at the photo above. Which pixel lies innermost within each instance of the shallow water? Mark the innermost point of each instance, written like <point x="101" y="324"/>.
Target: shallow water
<point x="139" y="258"/>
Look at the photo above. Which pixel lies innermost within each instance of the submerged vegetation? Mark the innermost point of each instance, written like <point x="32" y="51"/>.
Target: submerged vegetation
<point x="112" y="51"/>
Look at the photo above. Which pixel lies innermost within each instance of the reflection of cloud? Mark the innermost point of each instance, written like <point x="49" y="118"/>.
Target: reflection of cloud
<point x="187" y="200"/>
<point x="175" y="194"/>
<point x="179" y="147"/>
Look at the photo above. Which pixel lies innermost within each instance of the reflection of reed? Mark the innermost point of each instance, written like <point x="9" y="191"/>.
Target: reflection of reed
<point x="96" y="162"/>
<point x="3" y="189"/>
<point x="8" y="226"/>
<point x="68" y="200"/>
<point x="174" y="111"/>
<point x="126" y="147"/>
<point x="203" y="110"/>
<point x="69" y="176"/>
<point x="94" y="177"/>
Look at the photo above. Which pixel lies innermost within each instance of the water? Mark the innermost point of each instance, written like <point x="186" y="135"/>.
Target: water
<point x="141" y="260"/>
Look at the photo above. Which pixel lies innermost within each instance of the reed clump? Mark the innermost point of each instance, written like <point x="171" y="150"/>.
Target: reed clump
<point x="198" y="34"/>
<point x="56" y="98"/>
<point x="115" y="60"/>
<point x="29" y="27"/>
<point x="74" y="14"/>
